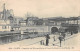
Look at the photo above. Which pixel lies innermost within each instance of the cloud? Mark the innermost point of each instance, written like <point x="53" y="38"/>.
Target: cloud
<point x="44" y="8"/>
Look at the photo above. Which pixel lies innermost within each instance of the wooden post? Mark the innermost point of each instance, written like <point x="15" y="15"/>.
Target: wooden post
<point x="68" y="21"/>
<point x="74" y="21"/>
<point x="77" y="20"/>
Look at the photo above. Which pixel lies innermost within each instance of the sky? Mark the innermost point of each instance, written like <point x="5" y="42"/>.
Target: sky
<point x="43" y="8"/>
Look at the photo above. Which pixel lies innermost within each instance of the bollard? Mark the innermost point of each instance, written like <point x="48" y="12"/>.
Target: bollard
<point x="41" y="42"/>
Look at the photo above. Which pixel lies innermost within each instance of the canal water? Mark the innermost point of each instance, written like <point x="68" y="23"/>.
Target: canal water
<point x="8" y="38"/>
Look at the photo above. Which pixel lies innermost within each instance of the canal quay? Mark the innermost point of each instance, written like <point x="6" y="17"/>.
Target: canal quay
<point x="70" y="42"/>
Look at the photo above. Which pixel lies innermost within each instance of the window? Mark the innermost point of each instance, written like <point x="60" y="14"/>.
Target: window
<point x="8" y="27"/>
<point x="4" y="27"/>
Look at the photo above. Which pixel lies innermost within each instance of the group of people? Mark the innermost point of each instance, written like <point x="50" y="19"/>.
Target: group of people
<point x="61" y="37"/>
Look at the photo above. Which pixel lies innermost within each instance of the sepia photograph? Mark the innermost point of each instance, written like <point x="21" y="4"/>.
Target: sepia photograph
<point x="41" y="25"/>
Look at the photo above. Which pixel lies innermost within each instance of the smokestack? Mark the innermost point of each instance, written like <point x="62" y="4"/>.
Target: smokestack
<point x="4" y="12"/>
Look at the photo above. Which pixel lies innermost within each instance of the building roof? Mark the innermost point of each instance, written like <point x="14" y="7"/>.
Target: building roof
<point x="24" y="21"/>
<point x="1" y="12"/>
<point x="32" y="18"/>
<point x="15" y="26"/>
<point x="64" y="19"/>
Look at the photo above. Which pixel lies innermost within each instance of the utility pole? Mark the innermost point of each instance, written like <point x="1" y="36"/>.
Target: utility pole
<point x="77" y="20"/>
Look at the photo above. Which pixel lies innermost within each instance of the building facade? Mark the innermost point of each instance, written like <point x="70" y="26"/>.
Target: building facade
<point x="5" y="25"/>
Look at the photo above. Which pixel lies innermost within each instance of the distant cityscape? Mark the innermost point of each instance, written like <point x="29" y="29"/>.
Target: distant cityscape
<point x="8" y="21"/>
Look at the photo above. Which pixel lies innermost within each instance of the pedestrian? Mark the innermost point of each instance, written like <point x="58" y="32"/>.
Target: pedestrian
<point x="60" y="39"/>
<point x="71" y="32"/>
<point x="54" y="38"/>
<point x="63" y="34"/>
<point x="47" y="39"/>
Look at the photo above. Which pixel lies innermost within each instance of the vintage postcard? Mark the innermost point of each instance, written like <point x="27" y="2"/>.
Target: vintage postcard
<point x="43" y="25"/>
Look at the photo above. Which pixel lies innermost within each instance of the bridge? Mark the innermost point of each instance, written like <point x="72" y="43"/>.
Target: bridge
<point x="58" y="22"/>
